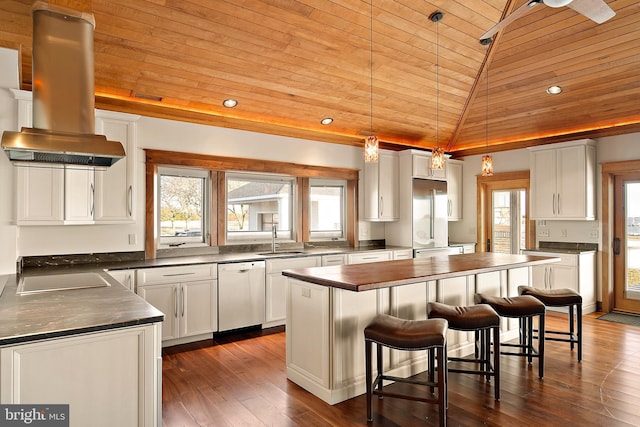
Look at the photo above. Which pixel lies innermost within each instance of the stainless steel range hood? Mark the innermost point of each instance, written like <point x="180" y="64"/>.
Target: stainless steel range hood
<point x="63" y="95"/>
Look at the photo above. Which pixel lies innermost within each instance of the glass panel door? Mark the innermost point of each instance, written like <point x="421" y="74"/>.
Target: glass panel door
<point x="627" y="243"/>
<point x="508" y="221"/>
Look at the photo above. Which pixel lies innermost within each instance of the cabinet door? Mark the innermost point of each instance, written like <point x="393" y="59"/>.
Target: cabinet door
<point x="561" y="277"/>
<point x="276" y="304"/>
<point x="571" y="183"/>
<point x="422" y="168"/>
<point x="540" y="276"/>
<point x="165" y="299"/>
<point x="543" y="184"/>
<point x="196" y="306"/>
<point x="114" y="186"/>
<point x="79" y="196"/>
<point x="454" y="190"/>
<point x="125" y="277"/>
<point x="40" y="195"/>
<point x="381" y="188"/>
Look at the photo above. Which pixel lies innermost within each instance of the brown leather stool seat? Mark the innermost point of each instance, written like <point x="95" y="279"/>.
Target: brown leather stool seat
<point x="412" y="335"/>
<point x="561" y="298"/>
<point x="482" y="319"/>
<point x="524" y="308"/>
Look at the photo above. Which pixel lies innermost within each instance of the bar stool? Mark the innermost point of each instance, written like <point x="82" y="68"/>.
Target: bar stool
<point x="413" y="335"/>
<point x="561" y="298"/>
<point x="482" y="319"/>
<point x="524" y="308"/>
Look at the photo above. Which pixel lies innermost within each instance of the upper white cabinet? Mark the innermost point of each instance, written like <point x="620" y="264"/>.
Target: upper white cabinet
<point x="381" y="188"/>
<point x="54" y="195"/>
<point x="421" y="166"/>
<point x="454" y="189"/>
<point x="114" y="202"/>
<point x="563" y="181"/>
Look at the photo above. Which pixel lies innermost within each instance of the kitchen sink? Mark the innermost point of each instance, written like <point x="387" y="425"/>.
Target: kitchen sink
<point x="59" y="282"/>
<point x="282" y="253"/>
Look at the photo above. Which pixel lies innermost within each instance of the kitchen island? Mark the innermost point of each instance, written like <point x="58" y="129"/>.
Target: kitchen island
<point x="328" y="308"/>
<point x="82" y="340"/>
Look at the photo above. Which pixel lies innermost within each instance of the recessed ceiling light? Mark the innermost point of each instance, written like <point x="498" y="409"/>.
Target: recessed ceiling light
<point x="326" y="121"/>
<point x="230" y="103"/>
<point x="554" y="90"/>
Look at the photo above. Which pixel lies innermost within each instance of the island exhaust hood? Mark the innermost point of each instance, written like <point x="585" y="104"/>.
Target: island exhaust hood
<point x="63" y="95"/>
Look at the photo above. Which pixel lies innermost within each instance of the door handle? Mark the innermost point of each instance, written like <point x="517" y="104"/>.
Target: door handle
<point x="616" y="246"/>
<point x="488" y="245"/>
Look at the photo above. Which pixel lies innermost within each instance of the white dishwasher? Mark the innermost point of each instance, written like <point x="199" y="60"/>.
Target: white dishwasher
<point x="241" y="292"/>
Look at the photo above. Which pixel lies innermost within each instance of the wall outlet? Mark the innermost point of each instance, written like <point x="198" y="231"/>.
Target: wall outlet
<point x="593" y="234"/>
<point x="133" y="239"/>
<point x="563" y="232"/>
<point x="543" y="232"/>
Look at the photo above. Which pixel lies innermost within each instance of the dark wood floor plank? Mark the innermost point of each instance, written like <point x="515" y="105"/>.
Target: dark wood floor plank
<point x="240" y="380"/>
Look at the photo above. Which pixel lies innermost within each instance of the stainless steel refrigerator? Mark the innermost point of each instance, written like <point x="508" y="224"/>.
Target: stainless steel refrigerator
<point x="430" y="224"/>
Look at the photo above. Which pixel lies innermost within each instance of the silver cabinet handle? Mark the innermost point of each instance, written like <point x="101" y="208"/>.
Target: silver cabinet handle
<point x="182" y="299"/>
<point x="175" y="302"/>
<point x="130" y="200"/>
<point x="558" y="203"/>
<point x="93" y="198"/>
<point x="381" y="205"/>
<point x="178" y="274"/>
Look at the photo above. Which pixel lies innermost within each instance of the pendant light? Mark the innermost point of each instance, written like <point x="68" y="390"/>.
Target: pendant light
<point x="437" y="155"/>
<point x="487" y="159"/>
<point x="371" y="143"/>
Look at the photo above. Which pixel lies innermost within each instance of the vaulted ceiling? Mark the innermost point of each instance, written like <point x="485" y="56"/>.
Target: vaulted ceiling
<point x="291" y="63"/>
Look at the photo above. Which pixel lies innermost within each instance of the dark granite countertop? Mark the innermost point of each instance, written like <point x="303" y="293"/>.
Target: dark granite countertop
<point x="53" y="314"/>
<point x="565" y="247"/>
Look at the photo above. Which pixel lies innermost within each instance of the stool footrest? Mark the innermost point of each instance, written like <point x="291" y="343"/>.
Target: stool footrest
<point x="380" y="378"/>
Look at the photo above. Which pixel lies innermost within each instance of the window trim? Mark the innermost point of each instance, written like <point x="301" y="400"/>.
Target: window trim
<point x="318" y="236"/>
<point x="206" y="203"/>
<point x="218" y="165"/>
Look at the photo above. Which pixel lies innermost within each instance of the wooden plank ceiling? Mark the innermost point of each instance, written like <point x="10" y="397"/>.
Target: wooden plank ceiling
<point x="290" y="63"/>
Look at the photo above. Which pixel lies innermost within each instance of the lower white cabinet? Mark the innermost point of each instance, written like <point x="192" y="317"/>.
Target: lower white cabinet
<point x="402" y="254"/>
<point x="276" y="286"/>
<point x="334" y="259"/>
<point x="575" y="271"/>
<point x="109" y="378"/>
<point x="187" y="295"/>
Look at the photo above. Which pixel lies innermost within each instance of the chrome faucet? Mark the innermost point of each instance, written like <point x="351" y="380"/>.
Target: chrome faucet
<point x="274" y="235"/>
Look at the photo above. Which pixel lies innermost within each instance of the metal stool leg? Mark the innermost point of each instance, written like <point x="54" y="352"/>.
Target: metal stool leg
<point x="367" y="351"/>
<point x="579" y="325"/>
<point x="541" y="346"/>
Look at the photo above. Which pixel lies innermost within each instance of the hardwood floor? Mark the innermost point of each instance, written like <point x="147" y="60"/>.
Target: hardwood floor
<point x="240" y="381"/>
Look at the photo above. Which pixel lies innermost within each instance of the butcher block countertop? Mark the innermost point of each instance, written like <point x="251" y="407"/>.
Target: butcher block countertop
<point x="364" y="277"/>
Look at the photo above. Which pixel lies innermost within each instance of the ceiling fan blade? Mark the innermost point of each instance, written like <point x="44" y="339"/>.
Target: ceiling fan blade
<point x="596" y="10"/>
<point x="519" y="12"/>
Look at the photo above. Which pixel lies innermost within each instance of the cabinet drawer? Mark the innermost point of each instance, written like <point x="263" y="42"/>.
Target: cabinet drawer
<point x="177" y="274"/>
<point x="369" y="257"/>
<point x="278" y="265"/>
<point x="338" y="259"/>
<point x="403" y="254"/>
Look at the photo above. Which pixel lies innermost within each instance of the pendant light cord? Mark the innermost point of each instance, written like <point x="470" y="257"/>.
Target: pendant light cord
<point x="437" y="83"/>
<point x="371" y="67"/>
<point x="487" y="111"/>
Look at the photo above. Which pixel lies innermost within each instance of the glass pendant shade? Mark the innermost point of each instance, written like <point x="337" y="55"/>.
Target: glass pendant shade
<point x="487" y="165"/>
<point x="437" y="158"/>
<point x="371" y="149"/>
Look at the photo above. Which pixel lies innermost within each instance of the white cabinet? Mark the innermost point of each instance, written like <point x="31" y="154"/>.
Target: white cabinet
<point x="109" y="378"/>
<point x="381" y="188"/>
<point x="114" y="200"/>
<point x="454" y="190"/>
<point x="187" y="295"/>
<point x="369" y="256"/>
<point x="276" y="286"/>
<point x="421" y="166"/>
<point x="55" y="195"/>
<point x="563" y="181"/>
<point x="126" y="278"/>
<point x="574" y="271"/>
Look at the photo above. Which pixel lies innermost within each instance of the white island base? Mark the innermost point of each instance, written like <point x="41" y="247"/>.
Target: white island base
<point x="325" y="339"/>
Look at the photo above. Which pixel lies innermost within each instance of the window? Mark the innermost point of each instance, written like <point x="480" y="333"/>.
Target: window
<point x="257" y="203"/>
<point x="184" y="204"/>
<point x="327" y="213"/>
